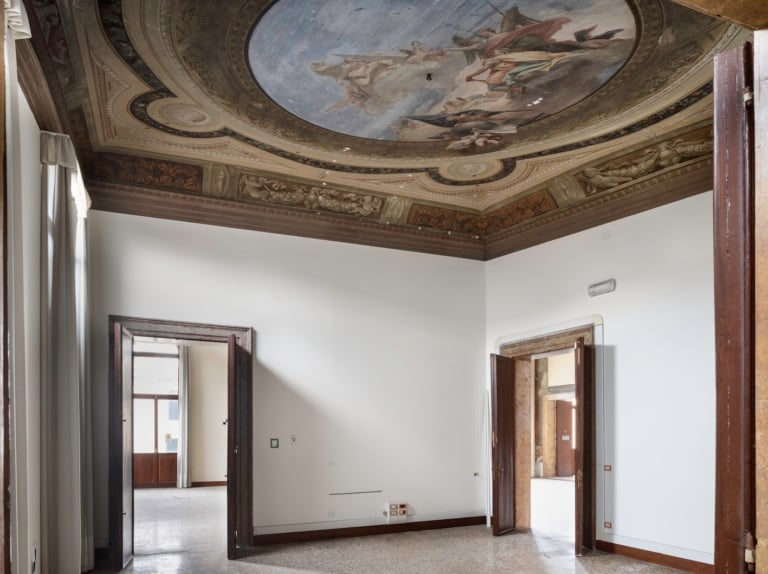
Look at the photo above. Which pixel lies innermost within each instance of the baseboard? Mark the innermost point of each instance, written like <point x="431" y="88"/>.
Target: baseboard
<point x="327" y="534"/>
<point x="655" y="558"/>
<point x="209" y="483"/>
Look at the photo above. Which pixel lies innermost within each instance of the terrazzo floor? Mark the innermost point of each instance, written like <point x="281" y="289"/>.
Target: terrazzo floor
<point x="182" y="531"/>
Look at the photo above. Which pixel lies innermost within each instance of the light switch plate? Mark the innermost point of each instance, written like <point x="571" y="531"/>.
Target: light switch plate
<point x="274" y="443"/>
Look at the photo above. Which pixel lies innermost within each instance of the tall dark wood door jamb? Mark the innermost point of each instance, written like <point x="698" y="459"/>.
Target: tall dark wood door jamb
<point x="734" y="309"/>
<point x="585" y="448"/>
<point x="5" y="443"/>
<point x="233" y="452"/>
<point x="503" y="443"/>
<point x="242" y="413"/>
<point x="121" y="459"/>
<point x="239" y="433"/>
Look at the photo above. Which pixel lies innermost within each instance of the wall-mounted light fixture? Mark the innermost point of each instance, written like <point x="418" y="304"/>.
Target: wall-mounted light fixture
<point x="601" y="288"/>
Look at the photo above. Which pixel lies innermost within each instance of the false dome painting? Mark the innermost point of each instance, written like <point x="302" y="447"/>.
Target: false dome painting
<point x="454" y="70"/>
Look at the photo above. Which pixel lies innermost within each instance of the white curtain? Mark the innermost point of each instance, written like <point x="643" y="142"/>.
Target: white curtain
<point x="66" y="485"/>
<point x="182" y="458"/>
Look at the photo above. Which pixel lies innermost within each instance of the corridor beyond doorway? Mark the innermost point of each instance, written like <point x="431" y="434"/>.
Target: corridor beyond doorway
<point x="552" y="501"/>
<point x="180" y="440"/>
<point x="553" y="493"/>
<point x="180" y="520"/>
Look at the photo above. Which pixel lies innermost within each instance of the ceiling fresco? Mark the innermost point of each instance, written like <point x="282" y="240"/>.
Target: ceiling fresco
<point x="462" y="71"/>
<point x="464" y="127"/>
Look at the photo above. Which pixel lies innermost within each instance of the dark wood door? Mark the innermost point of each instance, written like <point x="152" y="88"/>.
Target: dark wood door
<point x="564" y="459"/>
<point x="124" y="386"/>
<point x="585" y="448"/>
<point x="167" y="469"/>
<point x="144" y="470"/>
<point x="240" y="453"/>
<point x="503" y="443"/>
<point x="154" y="470"/>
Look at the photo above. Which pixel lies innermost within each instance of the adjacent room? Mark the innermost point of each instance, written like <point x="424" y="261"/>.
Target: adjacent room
<point x="179" y="446"/>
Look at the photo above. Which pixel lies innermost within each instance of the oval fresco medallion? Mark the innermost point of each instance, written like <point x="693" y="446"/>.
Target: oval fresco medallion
<point x="467" y="72"/>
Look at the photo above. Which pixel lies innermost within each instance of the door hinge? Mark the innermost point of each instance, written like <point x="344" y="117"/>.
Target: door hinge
<point x="749" y="552"/>
<point x="235" y="449"/>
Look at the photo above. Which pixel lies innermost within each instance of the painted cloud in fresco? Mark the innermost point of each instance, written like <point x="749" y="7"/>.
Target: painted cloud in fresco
<point x="463" y="71"/>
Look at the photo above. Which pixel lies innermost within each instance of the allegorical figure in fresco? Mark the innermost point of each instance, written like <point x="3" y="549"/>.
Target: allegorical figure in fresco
<point x="501" y="71"/>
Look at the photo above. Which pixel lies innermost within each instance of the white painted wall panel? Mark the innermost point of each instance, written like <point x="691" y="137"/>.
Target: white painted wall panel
<point x="373" y="358"/>
<point x="207" y="411"/>
<point x="27" y="410"/>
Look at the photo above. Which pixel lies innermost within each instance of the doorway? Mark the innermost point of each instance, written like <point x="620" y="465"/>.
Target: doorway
<point x="239" y="424"/>
<point x="554" y="445"/>
<point x="513" y="447"/>
<point x="179" y="446"/>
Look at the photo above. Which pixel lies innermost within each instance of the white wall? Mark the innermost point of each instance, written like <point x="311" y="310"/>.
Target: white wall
<point x="658" y="410"/>
<point x="207" y="411"/>
<point x="372" y="358"/>
<point x="24" y="157"/>
<point x="561" y="369"/>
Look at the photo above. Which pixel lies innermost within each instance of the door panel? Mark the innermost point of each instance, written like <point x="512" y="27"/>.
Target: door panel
<point x="585" y="448"/>
<point x="231" y="442"/>
<point x="503" y="443"/>
<point x="564" y="462"/>
<point x="166" y="469"/>
<point x="124" y="383"/>
<point x="144" y="470"/>
<point x="739" y="255"/>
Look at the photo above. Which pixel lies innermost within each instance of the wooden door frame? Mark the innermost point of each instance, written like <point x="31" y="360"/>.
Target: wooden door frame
<point x="540" y="345"/>
<point x="734" y="283"/>
<point x="240" y="434"/>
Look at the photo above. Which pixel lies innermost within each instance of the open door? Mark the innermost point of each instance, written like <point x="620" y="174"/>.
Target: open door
<point x="239" y="428"/>
<point x="585" y="448"/>
<point x="503" y="443"/>
<point x="239" y="457"/>
<point x="231" y="448"/>
<point x="121" y="462"/>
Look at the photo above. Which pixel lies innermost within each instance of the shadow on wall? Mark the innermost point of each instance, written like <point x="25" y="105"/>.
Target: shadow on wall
<point x="321" y="448"/>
